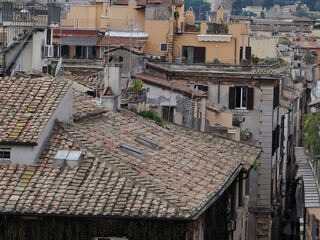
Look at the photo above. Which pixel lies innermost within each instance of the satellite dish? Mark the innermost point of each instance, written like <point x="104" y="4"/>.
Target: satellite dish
<point x="13" y="73"/>
<point x="58" y="67"/>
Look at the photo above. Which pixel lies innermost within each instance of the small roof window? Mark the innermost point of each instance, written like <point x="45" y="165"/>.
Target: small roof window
<point x="70" y="158"/>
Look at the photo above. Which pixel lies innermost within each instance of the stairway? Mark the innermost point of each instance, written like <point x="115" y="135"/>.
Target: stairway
<point x="311" y="190"/>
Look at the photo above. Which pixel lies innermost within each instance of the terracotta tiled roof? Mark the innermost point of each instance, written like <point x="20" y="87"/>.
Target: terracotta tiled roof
<point x="91" y="80"/>
<point x="94" y="188"/>
<point x="84" y="106"/>
<point x="137" y="42"/>
<point x="160" y="81"/>
<point x="177" y="181"/>
<point x="27" y="105"/>
<point x="189" y="170"/>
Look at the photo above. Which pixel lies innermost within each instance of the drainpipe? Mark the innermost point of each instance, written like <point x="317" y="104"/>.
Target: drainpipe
<point x="235" y="51"/>
<point x="219" y="86"/>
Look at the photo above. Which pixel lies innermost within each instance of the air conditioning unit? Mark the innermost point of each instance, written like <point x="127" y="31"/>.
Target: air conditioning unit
<point x="48" y="51"/>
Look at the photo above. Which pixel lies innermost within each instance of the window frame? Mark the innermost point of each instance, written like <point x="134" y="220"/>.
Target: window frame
<point x="2" y="154"/>
<point x="170" y="113"/>
<point x="162" y="44"/>
<point x="241" y="97"/>
<point x="249" y="98"/>
<point x="102" y="51"/>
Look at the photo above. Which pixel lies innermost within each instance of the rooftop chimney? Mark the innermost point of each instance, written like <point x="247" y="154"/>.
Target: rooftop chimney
<point x="112" y="99"/>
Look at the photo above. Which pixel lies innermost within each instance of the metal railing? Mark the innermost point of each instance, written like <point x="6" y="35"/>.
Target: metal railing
<point x="29" y="13"/>
<point x="124" y="24"/>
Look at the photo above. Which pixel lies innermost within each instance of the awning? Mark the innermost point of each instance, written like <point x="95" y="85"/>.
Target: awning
<point x="79" y="40"/>
<point x="311" y="191"/>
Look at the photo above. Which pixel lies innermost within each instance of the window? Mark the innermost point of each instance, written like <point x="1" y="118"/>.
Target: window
<point x="275" y="139"/>
<point x="65" y="51"/>
<point x="240" y="192"/>
<point x="276" y="96"/>
<point x="167" y="113"/>
<point x="5" y="154"/>
<point x="102" y="49"/>
<point x="163" y="47"/>
<point x="201" y="87"/>
<point x="194" y="54"/>
<point x="241" y="98"/>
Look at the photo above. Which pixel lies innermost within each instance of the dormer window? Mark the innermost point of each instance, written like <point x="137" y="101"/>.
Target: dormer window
<point x="5" y="154"/>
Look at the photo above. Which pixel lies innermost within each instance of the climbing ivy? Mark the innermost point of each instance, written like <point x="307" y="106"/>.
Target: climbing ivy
<point x="311" y="127"/>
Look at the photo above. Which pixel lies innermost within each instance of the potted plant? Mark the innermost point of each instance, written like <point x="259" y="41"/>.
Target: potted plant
<point x="216" y="61"/>
<point x="245" y="61"/>
<point x="184" y="60"/>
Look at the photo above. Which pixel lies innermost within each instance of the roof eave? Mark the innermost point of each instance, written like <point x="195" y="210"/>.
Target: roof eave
<point x="18" y="143"/>
<point x="221" y="191"/>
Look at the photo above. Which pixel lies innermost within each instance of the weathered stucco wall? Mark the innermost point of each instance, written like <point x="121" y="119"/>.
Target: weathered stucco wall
<point x="264" y="47"/>
<point x="163" y="97"/>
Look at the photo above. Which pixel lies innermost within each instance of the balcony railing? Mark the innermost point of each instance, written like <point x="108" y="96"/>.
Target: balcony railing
<point x="30" y="13"/>
<point x="124" y="24"/>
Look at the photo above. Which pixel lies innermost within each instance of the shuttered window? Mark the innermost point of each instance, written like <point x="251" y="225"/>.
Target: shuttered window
<point x="276" y="96"/>
<point x="241" y="98"/>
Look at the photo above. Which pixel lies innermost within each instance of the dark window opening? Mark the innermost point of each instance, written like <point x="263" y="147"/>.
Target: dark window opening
<point x="248" y="53"/>
<point x="5" y="154"/>
<point x="194" y="54"/>
<point x="240" y="193"/>
<point x="167" y="113"/>
<point x="163" y="47"/>
<point x="276" y="96"/>
<point x="202" y="87"/>
<point x="65" y="51"/>
<point x="48" y="36"/>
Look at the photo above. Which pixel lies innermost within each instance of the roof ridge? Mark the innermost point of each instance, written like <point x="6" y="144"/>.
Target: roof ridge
<point x="122" y="170"/>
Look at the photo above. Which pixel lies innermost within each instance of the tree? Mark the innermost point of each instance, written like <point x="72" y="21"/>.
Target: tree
<point x="317" y="6"/>
<point x="311" y="140"/>
<point x="268" y="4"/>
<point x="310" y="3"/>
<point x="248" y="14"/>
<point x="302" y="13"/>
<point x="238" y="5"/>
<point x="200" y="7"/>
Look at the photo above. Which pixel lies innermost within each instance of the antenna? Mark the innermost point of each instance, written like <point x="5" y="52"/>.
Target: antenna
<point x="58" y="67"/>
<point x="13" y="73"/>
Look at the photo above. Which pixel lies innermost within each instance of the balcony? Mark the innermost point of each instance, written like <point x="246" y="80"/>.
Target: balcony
<point x="124" y="25"/>
<point x="29" y="14"/>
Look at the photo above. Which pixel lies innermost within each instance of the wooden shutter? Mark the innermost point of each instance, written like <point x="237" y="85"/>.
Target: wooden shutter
<point x="248" y="53"/>
<point x="199" y="55"/>
<point x="250" y="98"/>
<point x="232" y="97"/>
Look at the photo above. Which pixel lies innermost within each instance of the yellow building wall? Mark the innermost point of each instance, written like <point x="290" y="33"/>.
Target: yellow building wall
<point x="88" y="16"/>
<point x="224" y="51"/>
<point x="117" y="13"/>
<point x="240" y="31"/>
<point x="223" y="118"/>
<point x="263" y="47"/>
<point x="157" y="33"/>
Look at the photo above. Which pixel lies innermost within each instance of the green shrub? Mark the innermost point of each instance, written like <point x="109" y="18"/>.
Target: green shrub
<point x="153" y="116"/>
<point x="285" y="42"/>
